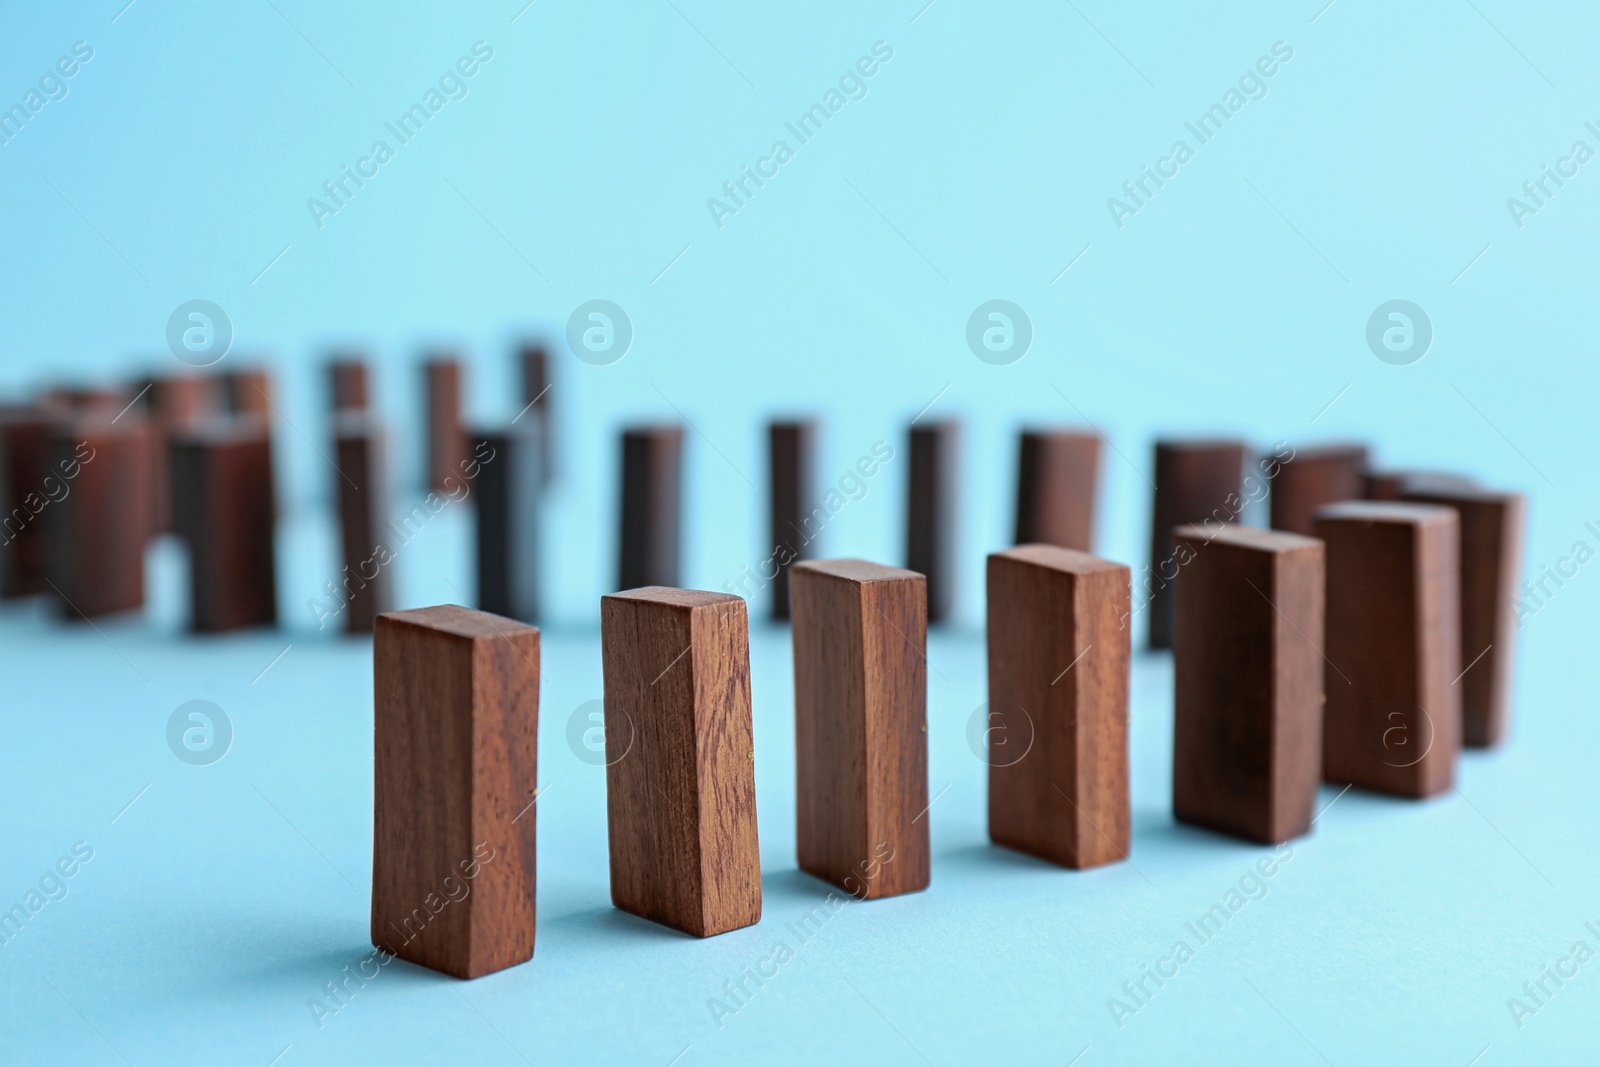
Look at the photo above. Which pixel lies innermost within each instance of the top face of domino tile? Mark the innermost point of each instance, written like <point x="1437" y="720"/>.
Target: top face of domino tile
<point x="1239" y="536"/>
<point x="1424" y="492"/>
<point x="1386" y="511"/>
<point x="668" y="596"/>
<point x="1199" y="444"/>
<point x="1056" y="558"/>
<point x="857" y="571"/>
<point x="457" y="621"/>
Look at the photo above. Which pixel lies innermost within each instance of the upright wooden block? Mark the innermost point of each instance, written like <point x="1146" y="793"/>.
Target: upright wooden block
<point x="249" y="391"/>
<point x="347" y="383"/>
<point x="360" y="486"/>
<point x="680" y="778"/>
<point x="534" y="363"/>
<point x="1247" y="682"/>
<point x="861" y="725"/>
<point x="222" y="483"/>
<point x="447" y="439"/>
<point x="791" y="464"/>
<point x="507" y="496"/>
<point x="1058" y="689"/>
<point x="1198" y="482"/>
<point x="28" y="487"/>
<point x="455" y="773"/>
<point x="652" y="475"/>
<point x="174" y="403"/>
<point x="1057" y="472"/>
<point x="1394" y="484"/>
<point x="931" y="510"/>
<point x="1392" y="721"/>
<point x="1492" y="525"/>
<point x="97" y="529"/>
<point x="1313" y="478"/>
<point x="91" y="400"/>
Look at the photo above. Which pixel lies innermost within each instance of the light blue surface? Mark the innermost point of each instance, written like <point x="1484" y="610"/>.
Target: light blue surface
<point x="977" y="167"/>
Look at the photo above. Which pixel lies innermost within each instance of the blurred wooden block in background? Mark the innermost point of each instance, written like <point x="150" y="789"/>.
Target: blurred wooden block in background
<point x="1058" y="705"/>
<point x="861" y="725"/>
<point x="680" y="775"/>
<point x="1057" y="475"/>
<point x="507" y="494"/>
<point x="447" y="438"/>
<point x="223" y="491"/>
<point x="98" y="527"/>
<point x="28" y="485"/>
<point x="1392" y="721"/>
<point x="1313" y="478"/>
<point x="1247" y="682"/>
<point x="1198" y="482"/>
<point x="791" y="466"/>
<point x="1394" y="484"/>
<point x="249" y="392"/>
<point x="359" y="484"/>
<point x="1492" y="531"/>
<point x="175" y="402"/>
<point x="931" y="510"/>
<point x="652" y="477"/>
<point x="455" y="773"/>
<point x="347" y="383"/>
<point x="535" y="371"/>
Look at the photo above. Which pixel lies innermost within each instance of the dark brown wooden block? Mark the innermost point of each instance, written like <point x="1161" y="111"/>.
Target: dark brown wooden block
<point x="534" y="363"/>
<point x="447" y="438"/>
<point x="1057" y="472"/>
<point x="97" y="529"/>
<point x="680" y="779"/>
<point x="360" y="455"/>
<point x="249" y="391"/>
<point x="652" y="475"/>
<point x="29" y="486"/>
<point x="791" y="464"/>
<point x="1492" y="525"/>
<point x="1247" y="681"/>
<point x="1393" y="485"/>
<point x="222" y="485"/>
<point x="1058" y="696"/>
<point x="1312" y="478"/>
<point x="104" y="400"/>
<point x="931" y="510"/>
<point x="347" y="383"/>
<point x="174" y="403"/>
<point x="1198" y="482"/>
<point x="455" y="773"/>
<point x="1392" y="721"/>
<point x="507" y="496"/>
<point x="861" y="725"/>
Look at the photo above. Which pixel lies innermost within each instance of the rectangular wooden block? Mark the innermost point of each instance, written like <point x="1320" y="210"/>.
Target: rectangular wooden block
<point x="507" y="496"/>
<point x="347" y="383"/>
<point x="174" y="403"/>
<point x="1392" y="721"/>
<point x="534" y="361"/>
<point x="652" y="477"/>
<point x="1058" y="704"/>
<point x="360" y="484"/>
<point x="1198" y="482"/>
<point x="1247" y="681"/>
<point x="931" y="510"/>
<point x="447" y="437"/>
<point x="680" y="774"/>
<point x="861" y="726"/>
<point x="1394" y="484"/>
<point x="98" y="528"/>
<point x="249" y="391"/>
<point x="222" y="482"/>
<point x="28" y="488"/>
<point x="791" y="465"/>
<point x="1492" y="525"/>
<point x="1057" y="473"/>
<point x="455" y="773"/>
<point x="1312" y="478"/>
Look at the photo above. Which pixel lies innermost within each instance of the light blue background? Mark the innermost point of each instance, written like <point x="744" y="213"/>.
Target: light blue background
<point x="978" y="167"/>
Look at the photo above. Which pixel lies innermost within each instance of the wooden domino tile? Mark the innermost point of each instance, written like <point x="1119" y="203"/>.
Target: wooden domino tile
<point x="359" y="485"/>
<point x="1247" y="681"/>
<point x="29" y="487"/>
<point x="447" y="437"/>
<point x="347" y="383"/>
<point x="1058" y="695"/>
<point x="534" y="366"/>
<point x="1057" y="475"/>
<point x="1394" y="484"/>
<point x="249" y="392"/>
<point x="507" y="495"/>
<point x="1392" y="721"/>
<point x="174" y="403"/>
<point x="222" y="486"/>
<point x="97" y="531"/>
<point x="455" y="774"/>
<point x="1312" y="478"/>
<point x="931" y="510"/>
<point x="861" y="729"/>
<point x="652" y="477"/>
<point x="1198" y="482"/>
<point x="680" y="775"/>
<point x="791" y="463"/>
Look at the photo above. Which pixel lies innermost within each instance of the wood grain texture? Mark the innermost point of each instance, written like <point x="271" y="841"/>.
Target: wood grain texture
<point x="507" y="494"/>
<point x="931" y="510"/>
<point x="1057" y="478"/>
<point x="1058" y="704"/>
<point x="1312" y="478"/>
<point x="347" y="383"/>
<point x="360" y="487"/>
<point x="98" y="529"/>
<point x="652" y="479"/>
<point x="222" y="483"/>
<point x="533" y="362"/>
<point x="680" y="777"/>
<point x="791" y="469"/>
<point x="1392" y="721"/>
<point x="447" y="438"/>
<point x="861" y="729"/>
<point x="1247" y="681"/>
<point x="1492" y="532"/>
<point x="1394" y="484"/>
<point x="1197" y="482"/>
<point x="28" y="488"/>
<point x="455" y="774"/>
